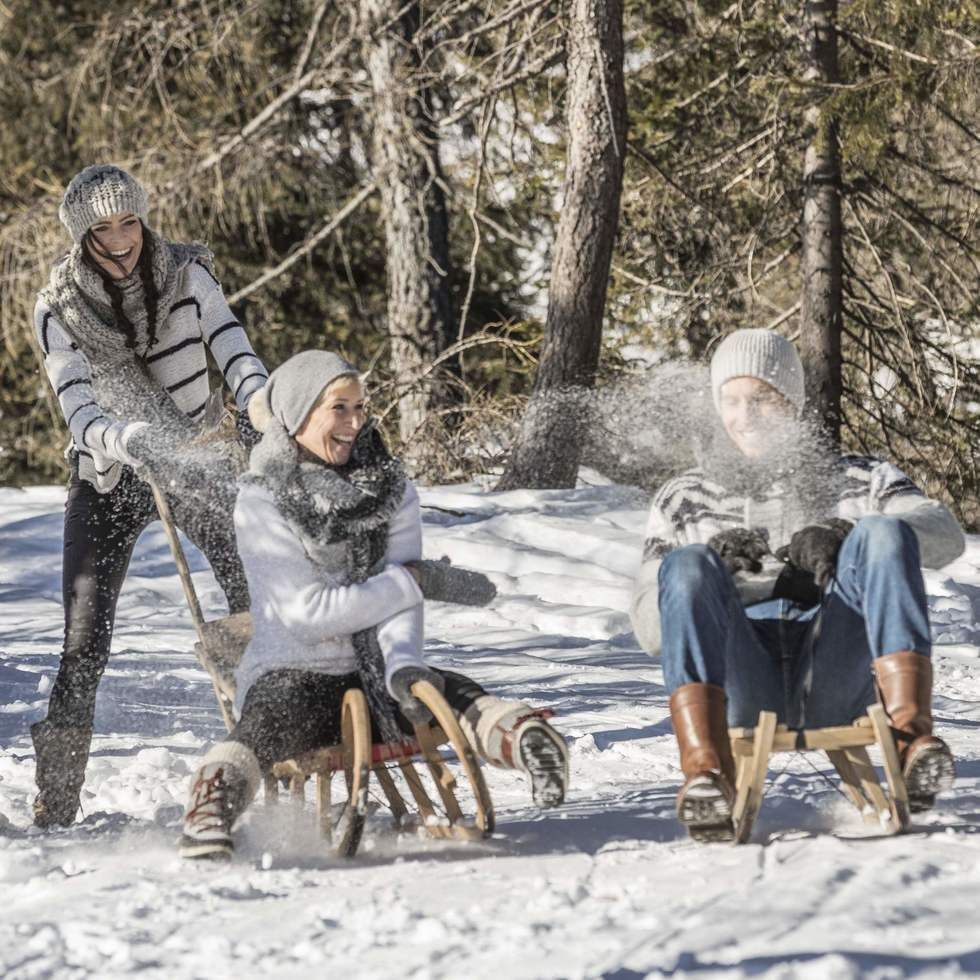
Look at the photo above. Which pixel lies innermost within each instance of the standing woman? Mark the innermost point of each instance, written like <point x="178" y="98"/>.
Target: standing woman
<point x="125" y="324"/>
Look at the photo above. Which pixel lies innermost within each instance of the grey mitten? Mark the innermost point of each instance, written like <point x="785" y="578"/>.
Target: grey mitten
<point x="442" y="581"/>
<point x="401" y="687"/>
<point x="740" y="548"/>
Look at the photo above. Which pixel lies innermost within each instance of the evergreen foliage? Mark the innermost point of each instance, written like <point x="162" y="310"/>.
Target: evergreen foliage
<point x="710" y="237"/>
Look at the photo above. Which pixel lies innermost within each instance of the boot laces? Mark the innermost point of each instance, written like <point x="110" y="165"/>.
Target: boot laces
<point x="208" y="803"/>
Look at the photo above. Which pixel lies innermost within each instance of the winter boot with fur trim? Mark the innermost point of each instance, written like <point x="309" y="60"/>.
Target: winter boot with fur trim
<point x="706" y="800"/>
<point x="905" y="685"/>
<point x="513" y="735"/>
<point x="223" y="787"/>
<point x="62" y="754"/>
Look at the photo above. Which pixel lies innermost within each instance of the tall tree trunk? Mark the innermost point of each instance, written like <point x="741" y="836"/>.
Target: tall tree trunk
<point x="546" y="454"/>
<point x="406" y="165"/>
<point x="821" y="317"/>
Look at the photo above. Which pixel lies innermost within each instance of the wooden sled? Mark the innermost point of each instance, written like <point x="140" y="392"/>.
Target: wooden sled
<point x="220" y="646"/>
<point x="846" y="747"/>
<point x="358" y="758"/>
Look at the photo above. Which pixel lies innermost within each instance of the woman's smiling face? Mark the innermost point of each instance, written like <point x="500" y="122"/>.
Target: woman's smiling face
<point x="116" y="243"/>
<point x="332" y="426"/>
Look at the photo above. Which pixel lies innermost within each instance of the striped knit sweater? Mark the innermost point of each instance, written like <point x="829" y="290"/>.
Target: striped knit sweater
<point x="691" y="509"/>
<point x="199" y="320"/>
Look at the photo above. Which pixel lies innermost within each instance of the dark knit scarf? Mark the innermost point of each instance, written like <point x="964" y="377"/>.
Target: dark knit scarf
<point x="78" y="298"/>
<point x="341" y="515"/>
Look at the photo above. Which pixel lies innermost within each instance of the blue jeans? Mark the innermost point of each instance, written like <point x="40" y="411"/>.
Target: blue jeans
<point x="812" y="666"/>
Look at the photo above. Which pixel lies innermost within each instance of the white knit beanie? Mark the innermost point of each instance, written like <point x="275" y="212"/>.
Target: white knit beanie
<point x="98" y="192"/>
<point x="762" y="354"/>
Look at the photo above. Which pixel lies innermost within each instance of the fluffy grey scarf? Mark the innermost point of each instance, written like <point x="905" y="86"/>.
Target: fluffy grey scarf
<point x="77" y="296"/>
<point x="341" y="515"/>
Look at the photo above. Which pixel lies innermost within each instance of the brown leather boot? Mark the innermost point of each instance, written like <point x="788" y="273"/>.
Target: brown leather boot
<point x="905" y="685"/>
<point x="705" y="801"/>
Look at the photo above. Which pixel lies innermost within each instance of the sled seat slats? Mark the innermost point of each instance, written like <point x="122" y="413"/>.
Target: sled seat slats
<point x="330" y="758"/>
<point x="807" y="739"/>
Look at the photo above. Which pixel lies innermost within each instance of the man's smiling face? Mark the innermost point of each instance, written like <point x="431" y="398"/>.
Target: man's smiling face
<point x="749" y="410"/>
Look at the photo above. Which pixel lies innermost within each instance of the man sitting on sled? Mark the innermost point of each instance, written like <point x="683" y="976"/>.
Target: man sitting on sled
<point x="781" y="576"/>
<point x="330" y="535"/>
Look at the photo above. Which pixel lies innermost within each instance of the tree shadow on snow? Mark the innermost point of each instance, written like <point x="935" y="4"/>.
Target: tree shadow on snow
<point x="688" y="964"/>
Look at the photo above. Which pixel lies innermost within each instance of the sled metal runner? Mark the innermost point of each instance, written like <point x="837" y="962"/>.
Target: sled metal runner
<point x="846" y="747"/>
<point x="219" y="648"/>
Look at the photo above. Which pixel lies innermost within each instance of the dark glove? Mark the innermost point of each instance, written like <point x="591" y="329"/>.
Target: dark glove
<point x="248" y="435"/>
<point x="814" y="548"/>
<point x="798" y="586"/>
<point x="442" y="581"/>
<point x="401" y="687"/>
<point x="740" y="548"/>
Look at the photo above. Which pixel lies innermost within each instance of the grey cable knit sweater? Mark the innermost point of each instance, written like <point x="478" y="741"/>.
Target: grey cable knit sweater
<point x="692" y="508"/>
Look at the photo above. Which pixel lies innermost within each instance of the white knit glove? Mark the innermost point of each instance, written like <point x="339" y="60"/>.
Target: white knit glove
<point x="122" y="452"/>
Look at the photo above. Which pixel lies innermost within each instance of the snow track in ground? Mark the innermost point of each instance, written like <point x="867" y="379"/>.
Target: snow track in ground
<point x="607" y="886"/>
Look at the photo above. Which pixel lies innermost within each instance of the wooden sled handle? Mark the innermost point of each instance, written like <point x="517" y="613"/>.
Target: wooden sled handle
<point x="180" y="559"/>
<point x="190" y="593"/>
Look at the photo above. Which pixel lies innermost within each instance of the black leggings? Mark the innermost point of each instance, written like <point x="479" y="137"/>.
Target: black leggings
<point x="101" y="530"/>
<point x="288" y="712"/>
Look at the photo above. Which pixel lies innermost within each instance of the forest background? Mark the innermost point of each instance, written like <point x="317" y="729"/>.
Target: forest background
<point x="405" y="182"/>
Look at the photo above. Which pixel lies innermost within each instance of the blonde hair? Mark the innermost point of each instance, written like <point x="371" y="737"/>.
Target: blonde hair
<point x="338" y="381"/>
<point x="260" y="412"/>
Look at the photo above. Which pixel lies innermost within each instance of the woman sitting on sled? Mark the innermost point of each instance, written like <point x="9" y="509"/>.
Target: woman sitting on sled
<point x="330" y="534"/>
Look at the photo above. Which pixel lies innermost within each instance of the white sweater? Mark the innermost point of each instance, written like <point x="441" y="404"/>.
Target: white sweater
<point x="199" y="320"/>
<point x="304" y="620"/>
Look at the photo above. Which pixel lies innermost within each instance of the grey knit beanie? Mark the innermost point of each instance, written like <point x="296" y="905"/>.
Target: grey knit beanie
<point x="294" y="388"/>
<point x="762" y="354"/>
<point x="98" y="192"/>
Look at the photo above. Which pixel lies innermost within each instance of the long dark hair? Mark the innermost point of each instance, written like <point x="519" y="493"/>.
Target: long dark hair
<point x="144" y="266"/>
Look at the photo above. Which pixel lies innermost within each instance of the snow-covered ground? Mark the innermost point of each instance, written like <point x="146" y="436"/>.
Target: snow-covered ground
<point x="607" y="886"/>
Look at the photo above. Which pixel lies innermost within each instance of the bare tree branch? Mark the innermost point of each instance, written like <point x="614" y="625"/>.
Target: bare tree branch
<point x="352" y="205"/>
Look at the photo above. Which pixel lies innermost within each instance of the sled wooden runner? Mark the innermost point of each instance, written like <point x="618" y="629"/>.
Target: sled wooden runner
<point x="846" y="747"/>
<point x="220" y="646"/>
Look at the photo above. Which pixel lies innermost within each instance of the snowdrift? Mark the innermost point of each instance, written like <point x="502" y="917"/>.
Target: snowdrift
<point x="607" y="886"/>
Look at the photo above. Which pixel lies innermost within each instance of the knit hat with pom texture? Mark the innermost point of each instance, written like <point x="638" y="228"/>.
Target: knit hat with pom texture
<point x="97" y="193"/>
<point x="763" y="354"/>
